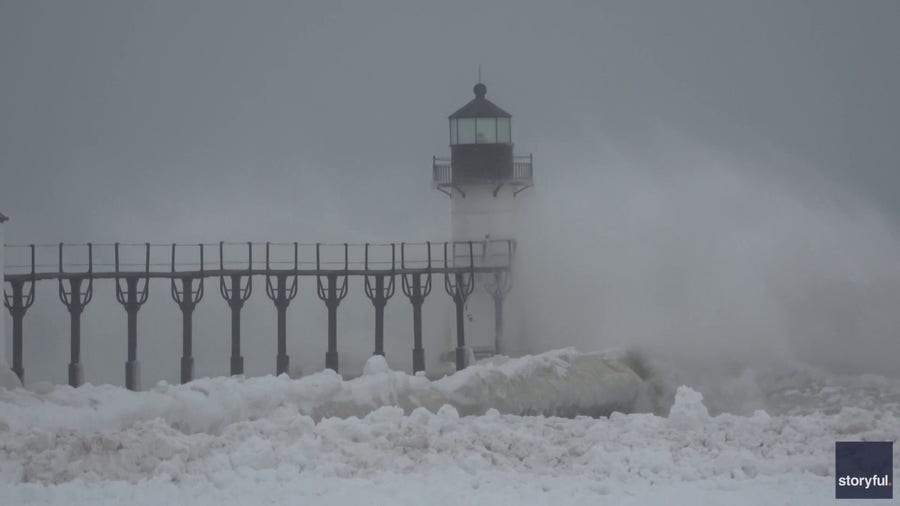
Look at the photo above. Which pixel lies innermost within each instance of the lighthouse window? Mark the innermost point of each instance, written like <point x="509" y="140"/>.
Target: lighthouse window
<point x="452" y="131"/>
<point x="503" y="135"/>
<point x="486" y="130"/>
<point x="465" y="131"/>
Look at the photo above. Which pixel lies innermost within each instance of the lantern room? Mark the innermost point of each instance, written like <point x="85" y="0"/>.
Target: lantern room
<point x="480" y="122"/>
<point x="481" y="148"/>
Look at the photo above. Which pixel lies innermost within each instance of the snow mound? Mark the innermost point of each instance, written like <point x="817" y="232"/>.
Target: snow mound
<point x="8" y="378"/>
<point x="376" y="364"/>
<point x="562" y="382"/>
<point x="688" y="412"/>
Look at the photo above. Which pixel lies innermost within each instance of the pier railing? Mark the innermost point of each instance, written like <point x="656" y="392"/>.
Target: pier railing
<point x="234" y="267"/>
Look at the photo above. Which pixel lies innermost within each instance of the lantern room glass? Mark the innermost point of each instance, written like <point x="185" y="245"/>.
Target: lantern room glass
<point x="486" y="131"/>
<point x="503" y="131"/>
<point x="480" y="131"/>
<point x="465" y="131"/>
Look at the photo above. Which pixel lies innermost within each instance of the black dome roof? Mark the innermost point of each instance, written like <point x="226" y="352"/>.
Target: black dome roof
<point x="480" y="107"/>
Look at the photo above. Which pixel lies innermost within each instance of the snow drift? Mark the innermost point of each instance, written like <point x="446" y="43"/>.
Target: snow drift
<point x="391" y="457"/>
<point x="562" y="382"/>
<point x="391" y="438"/>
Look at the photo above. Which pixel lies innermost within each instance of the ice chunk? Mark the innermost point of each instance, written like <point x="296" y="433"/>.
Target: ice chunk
<point x="376" y="364"/>
<point x="688" y="412"/>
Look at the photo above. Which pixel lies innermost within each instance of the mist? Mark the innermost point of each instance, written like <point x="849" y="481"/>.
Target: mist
<point x="709" y="260"/>
<point x="715" y="183"/>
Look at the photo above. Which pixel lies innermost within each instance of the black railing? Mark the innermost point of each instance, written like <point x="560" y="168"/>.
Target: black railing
<point x="77" y="266"/>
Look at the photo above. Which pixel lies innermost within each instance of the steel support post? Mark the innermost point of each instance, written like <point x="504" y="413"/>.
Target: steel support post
<point x="132" y="366"/>
<point x="282" y="360"/>
<point x="76" y="307"/>
<point x="498" y="321"/>
<point x="332" y="294"/>
<point x="416" y="291"/>
<point x="379" y="302"/>
<point x="187" y="298"/>
<point x="132" y="298"/>
<point x="459" y="286"/>
<point x="236" y="303"/>
<point x="236" y="295"/>
<point x="75" y="299"/>
<point x="460" y="330"/>
<point x="498" y="289"/>
<point x="187" y="337"/>
<point x="332" y="302"/>
<point x="379" y="294"/>
<point x="418" y="348"/>
<point x="281" y="293"/>
<point x="17" y="304"/>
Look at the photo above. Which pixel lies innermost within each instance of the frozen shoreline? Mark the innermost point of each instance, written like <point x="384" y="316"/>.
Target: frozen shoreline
<point x="323" y="440"/>
<point x="562" y="382"/>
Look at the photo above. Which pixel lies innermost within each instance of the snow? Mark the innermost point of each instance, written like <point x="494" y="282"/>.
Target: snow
<point x="561" y="382"/>
<point x="391" y="438"/>
<point x="8" y="378"/>
<point x="688" y="412"/>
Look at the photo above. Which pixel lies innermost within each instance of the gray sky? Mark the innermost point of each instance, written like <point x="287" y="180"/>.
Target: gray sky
<point x="132" y="112"/>
<point x="709" y="172"/>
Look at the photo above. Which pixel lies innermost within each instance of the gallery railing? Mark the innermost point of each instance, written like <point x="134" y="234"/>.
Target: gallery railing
<point x="521" y="174"/>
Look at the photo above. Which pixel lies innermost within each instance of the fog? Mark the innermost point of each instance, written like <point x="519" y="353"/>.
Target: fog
<point x="715" y="183"/>
<point x="710" y="259"/>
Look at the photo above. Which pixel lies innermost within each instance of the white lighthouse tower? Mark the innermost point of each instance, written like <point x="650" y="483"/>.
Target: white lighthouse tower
<point x="483" y="179"/>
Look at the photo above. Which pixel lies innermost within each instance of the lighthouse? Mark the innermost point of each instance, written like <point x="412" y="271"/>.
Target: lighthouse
<point x="484" y="180"/>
